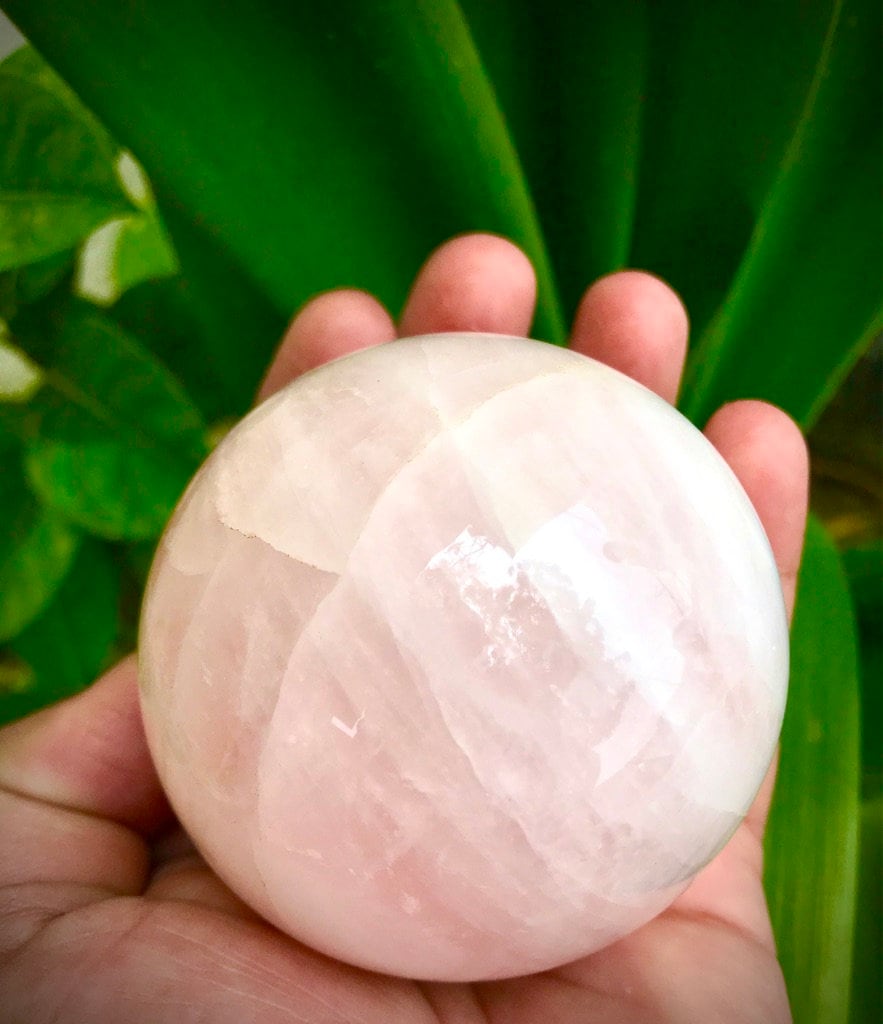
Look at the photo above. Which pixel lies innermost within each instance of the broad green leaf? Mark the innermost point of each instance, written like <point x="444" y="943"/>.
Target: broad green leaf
<point x="867" y="978"/>
<point x="213" y="316"/>
<point x="806" y="298"/>
<point x="143" y="252"/>
<point x="138" y="559"/>
<point x="211" y="324"/>
<point x="216" y="338"/>
<point x="24" y="285"/>
<point x="341" y="142"/>
<point x="118" y="438"/>
<point x="19" y="377"/>
<point x="864" y="569"/>
<point x="17" y="423"/>
<point x="37" y="547"/>
<point x="135" y="181"/>
<point x="811" y="844"/>
<point x="37" y="280"/>
<point x="8" y="302"/>
<point x="126" y="250"/>
<point x="135" y="561"/>
<point x="724" y="86"/>
<point x="72" y="641"/>
<point x="684" y="111"/>
<point x="571" y="80"/>
<point x="122" y="253"/>
<point x="57" y="175"/>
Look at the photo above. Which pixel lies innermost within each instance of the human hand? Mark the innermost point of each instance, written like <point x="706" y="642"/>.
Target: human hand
<point x="108" y="914"/>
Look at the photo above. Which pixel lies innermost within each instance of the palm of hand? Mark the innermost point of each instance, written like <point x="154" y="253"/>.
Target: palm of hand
<point x="101" y="921"/>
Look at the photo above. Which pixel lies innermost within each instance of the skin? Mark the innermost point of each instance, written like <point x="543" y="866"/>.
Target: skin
<point x="108" y="913"/>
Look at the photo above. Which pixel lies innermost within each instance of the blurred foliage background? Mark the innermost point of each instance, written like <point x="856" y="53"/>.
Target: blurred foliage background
<point x="176" y="179"/>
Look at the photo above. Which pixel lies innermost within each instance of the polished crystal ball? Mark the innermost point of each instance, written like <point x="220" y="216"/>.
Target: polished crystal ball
<point x="461" y="656"/>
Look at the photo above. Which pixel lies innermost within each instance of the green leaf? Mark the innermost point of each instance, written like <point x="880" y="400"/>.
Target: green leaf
<point x="342" y="141"/>
<point x="39" y="279"/>
<point x="122" y="253"/>
<point x="805" y="301"/>
<point x="126" y="250"/>
<point x="571" y="80"/>
<point x="210" y="325"/>
<point x="37" y="547"/>
<point x="867" y="980"/>
<point x="19" y="377"/>
<point x="72" y="641"/>
<point x="812" y="839"/>
<point x="169" y="317"/>
<point x="24" y="285"/>
<point x="144" y="252"/>
<point x="864" y="569"/>
<point x="724" y="86"/>
<point x="57" y="176"/>
<point x="117" y="438"/>
<point x="135" y="181"/>
<point x="212" y="319"/>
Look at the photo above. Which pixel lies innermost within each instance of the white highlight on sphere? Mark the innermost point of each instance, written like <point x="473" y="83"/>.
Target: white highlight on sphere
<point x="461" y="656"/>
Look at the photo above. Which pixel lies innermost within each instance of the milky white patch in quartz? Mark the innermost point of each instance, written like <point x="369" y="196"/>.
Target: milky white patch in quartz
<point x="461" y="656"/>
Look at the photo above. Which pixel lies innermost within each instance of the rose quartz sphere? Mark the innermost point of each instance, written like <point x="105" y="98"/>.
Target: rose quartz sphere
<point x="461" y="656"/>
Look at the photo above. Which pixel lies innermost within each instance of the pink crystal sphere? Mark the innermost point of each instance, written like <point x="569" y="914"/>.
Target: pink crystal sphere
<point x="461" y="656"/>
